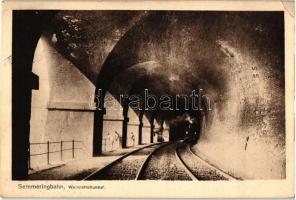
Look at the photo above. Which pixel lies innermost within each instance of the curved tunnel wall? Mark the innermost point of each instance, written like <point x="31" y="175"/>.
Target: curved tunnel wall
<point x="250" y="114"/>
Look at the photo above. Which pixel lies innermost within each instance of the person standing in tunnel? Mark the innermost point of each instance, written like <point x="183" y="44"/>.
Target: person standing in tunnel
<point x="117" y="139"/>
<point x="133" y="138"/>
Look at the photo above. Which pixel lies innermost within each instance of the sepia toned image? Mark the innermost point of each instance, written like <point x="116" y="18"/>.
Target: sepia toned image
<point x="148" y="96"/>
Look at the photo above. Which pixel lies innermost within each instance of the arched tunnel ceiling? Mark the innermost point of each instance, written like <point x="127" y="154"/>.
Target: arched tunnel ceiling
<point x="87" y="37"/>
<point x="171" y="52"/>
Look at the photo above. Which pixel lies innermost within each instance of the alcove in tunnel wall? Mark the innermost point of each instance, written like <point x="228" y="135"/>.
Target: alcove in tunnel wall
<point x="156" y="131"/>
<point x="165" y="132"/>
<point x="60" y="107"/>
<point x="146" y="130"/>
<point x="112" y="124"/>
<point x="132" y="128"/>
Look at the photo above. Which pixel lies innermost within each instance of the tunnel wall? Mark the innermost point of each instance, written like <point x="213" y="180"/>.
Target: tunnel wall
<point x="251" y="120"/>
<point x="244" y="134"/>
<point x="60" y="108"/>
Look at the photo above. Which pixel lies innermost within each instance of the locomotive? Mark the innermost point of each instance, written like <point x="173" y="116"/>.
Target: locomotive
<point x="192" y="132"/>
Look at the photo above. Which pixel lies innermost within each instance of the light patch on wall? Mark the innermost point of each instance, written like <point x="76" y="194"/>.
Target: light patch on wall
<point x="174" y="77"/>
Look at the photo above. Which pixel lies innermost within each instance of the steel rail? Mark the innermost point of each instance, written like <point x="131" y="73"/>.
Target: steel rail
<point x="116" y="161"/>
<point x="145" y="163"/>
<point x="183" y="164"/>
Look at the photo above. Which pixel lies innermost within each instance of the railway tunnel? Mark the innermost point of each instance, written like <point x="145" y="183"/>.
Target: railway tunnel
<point x="109" y="80"/>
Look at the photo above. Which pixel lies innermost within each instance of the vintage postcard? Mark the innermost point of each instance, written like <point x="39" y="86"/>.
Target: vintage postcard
<point x="167" y="99"/>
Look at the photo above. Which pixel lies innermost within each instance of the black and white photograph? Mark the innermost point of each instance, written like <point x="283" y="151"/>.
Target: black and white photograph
<point x="163" y="95"/>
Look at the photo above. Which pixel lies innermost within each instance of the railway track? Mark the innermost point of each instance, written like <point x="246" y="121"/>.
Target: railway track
<point x="127" y="167"/>
<point x="198" y="168"/>
<point x="161" y="161"/>
<point x="163" y="165"/>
